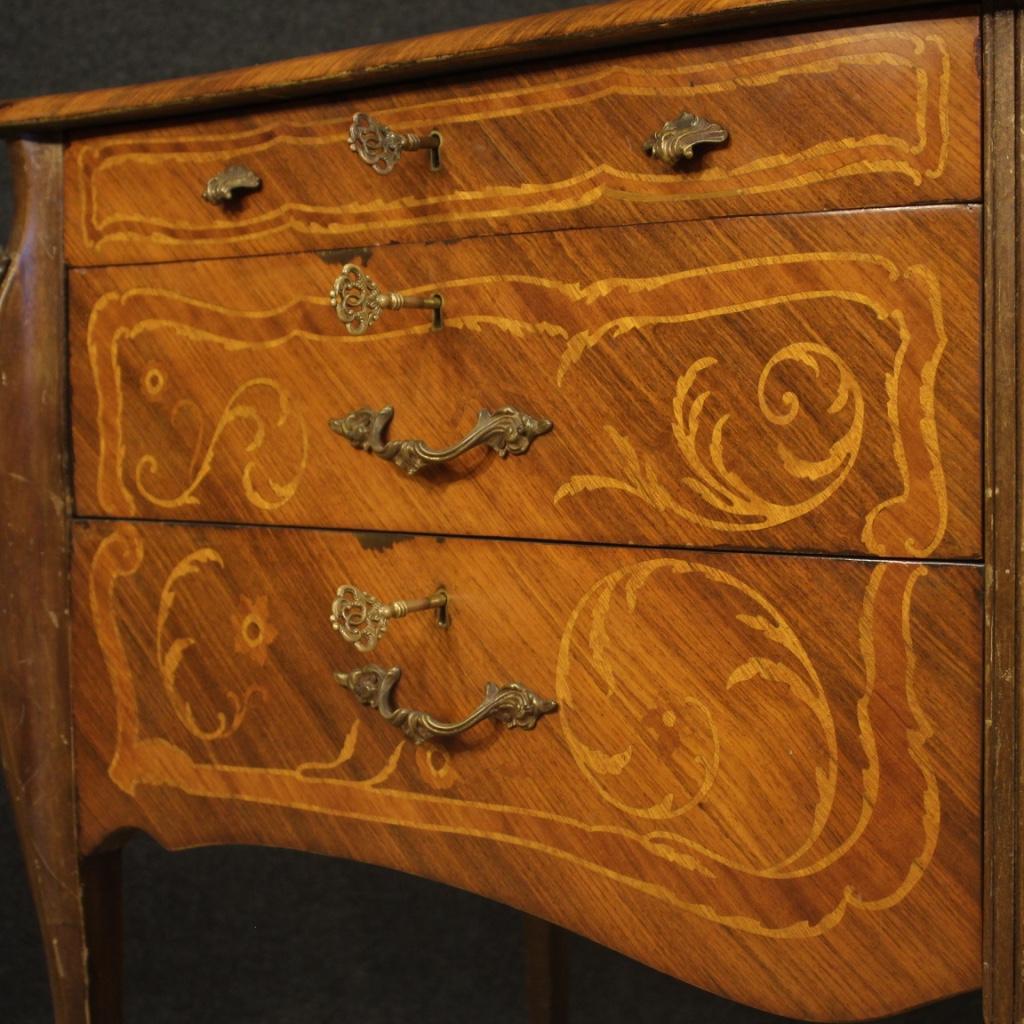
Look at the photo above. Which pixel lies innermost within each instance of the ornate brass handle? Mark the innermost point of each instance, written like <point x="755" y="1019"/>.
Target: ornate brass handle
<point x="359" y="301"/>
<point x="508" y="431"/>
<point x="381" y="146"/>
<point x="513" y="705"/>
<point x="221" y="187"/>
<point x="677" y="138"/>
<point x="362" y="619"/>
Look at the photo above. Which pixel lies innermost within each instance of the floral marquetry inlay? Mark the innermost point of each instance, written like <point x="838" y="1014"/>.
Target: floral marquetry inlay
<point x="259" y="413"/>
<point x="714" y="489"/>
<point x="796" y="398"/>
<point x="712" y="672"/>
<point x="255" y="634"/>
<point x="762" y="748"/>
<point x="753" y="682"/>
<point x="253" y="631"/>
<point x="687" y="696"/>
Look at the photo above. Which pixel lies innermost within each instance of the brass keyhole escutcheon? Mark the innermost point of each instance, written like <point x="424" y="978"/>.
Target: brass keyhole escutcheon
<point x="363" y="619"/>
<point x="359" y="301"/>
<point x="381" y="147"/>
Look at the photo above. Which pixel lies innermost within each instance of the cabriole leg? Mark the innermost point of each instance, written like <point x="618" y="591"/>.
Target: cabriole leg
<point x="35" y="711"/>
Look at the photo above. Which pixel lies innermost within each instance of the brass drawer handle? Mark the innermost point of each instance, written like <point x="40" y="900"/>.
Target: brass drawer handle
<point x="362" y="619"/>
<point x="508" y="431"/>
<point x="677" y="138"/>
<point x="381" y="146"/>
<point x="359" y="301"/>
<point x="513" y="705"/>
<point x="221" y="187"/>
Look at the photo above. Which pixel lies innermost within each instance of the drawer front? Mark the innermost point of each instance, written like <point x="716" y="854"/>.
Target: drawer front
<point x="870" y="115"/>
<point x="761" y="769"/>
<point x="800" y="383"/>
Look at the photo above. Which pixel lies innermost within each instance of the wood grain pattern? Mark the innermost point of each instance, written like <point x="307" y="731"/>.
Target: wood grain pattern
<point x="1004" y="603"/>
<point x="559" y="32"/>
<point x="799" y="383"/>
<point x="35" y="713"/>
<point x="762" y="773"/>
<point x="874" y="115"/>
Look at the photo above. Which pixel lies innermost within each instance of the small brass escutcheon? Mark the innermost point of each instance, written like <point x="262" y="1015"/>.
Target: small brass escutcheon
<point x="359" y="301"/>
<point x="676" y="139"/>
<point x="381" y="146"/>
<point x="363" y="619"/>
<point x="221" y="188"/>
<point x="512" y="704"/>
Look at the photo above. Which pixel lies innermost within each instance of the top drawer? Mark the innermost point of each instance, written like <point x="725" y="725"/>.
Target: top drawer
<point x="850" y="117"/>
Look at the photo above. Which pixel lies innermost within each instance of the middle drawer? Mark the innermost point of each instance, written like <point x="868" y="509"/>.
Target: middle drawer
<point x="801" y="383"/>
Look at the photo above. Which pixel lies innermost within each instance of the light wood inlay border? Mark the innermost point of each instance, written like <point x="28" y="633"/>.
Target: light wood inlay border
<point x="551" y="146"/>
<point x="772" y="751"/>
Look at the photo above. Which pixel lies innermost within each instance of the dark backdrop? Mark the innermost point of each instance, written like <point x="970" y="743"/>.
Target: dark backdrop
<point x="269" y="936"/>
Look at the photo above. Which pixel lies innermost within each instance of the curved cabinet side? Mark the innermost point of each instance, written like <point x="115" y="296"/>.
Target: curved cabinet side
<point x="35" y="735"/>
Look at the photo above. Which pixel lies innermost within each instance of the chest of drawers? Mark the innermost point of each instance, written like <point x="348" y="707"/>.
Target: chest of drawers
<point x="574" y="460"/>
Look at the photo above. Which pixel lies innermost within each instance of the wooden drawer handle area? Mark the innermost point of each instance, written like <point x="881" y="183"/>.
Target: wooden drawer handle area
<point x="381" y="146"/>
<point x="363" y="619"/>
<point x="359" y="300"/>
<point x="221" y="188"/>
<point x="507" y="431"/>
<point x="676" y="139"/>
<point x="512" y="704"/>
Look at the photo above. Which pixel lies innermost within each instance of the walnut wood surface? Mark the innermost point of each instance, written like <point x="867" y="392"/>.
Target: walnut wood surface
<point x="763" y="772"/>
<point x="35" y="714"/>
<point x="764" y="769"/>
<point x="868" y="115"/>
<point x="507" y="42"/>
<point x="1004" y="191"/>
<point x="794" y="383"/>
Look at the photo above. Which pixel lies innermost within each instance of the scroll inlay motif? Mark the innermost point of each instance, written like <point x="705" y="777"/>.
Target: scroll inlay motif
<point x="818" y="399"/>
<point x="673" y="746"/>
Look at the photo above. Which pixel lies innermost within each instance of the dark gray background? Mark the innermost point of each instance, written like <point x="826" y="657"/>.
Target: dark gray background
<point x="269" y="936"/>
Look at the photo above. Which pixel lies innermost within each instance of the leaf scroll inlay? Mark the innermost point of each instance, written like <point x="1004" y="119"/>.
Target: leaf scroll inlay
<point x="809" y="389"/>
<point x="731" y="503"/>
<point x="709" y="846"/>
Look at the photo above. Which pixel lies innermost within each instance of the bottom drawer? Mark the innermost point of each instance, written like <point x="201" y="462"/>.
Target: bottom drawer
<point x="762" y="774"/>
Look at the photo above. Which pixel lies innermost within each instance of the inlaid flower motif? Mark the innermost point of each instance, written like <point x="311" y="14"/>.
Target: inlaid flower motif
<point x="434" y="764"/>
<point x="253" y="631"/>
<point x="152" y="382"/>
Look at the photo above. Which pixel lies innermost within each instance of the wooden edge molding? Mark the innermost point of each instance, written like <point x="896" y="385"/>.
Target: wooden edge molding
<point x="35" y="713"/>
<point x="1003" y="46"/>
<point x="556" y="33"/>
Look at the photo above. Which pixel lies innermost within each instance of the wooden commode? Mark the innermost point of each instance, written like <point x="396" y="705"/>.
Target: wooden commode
<point x="575" y="460"/>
